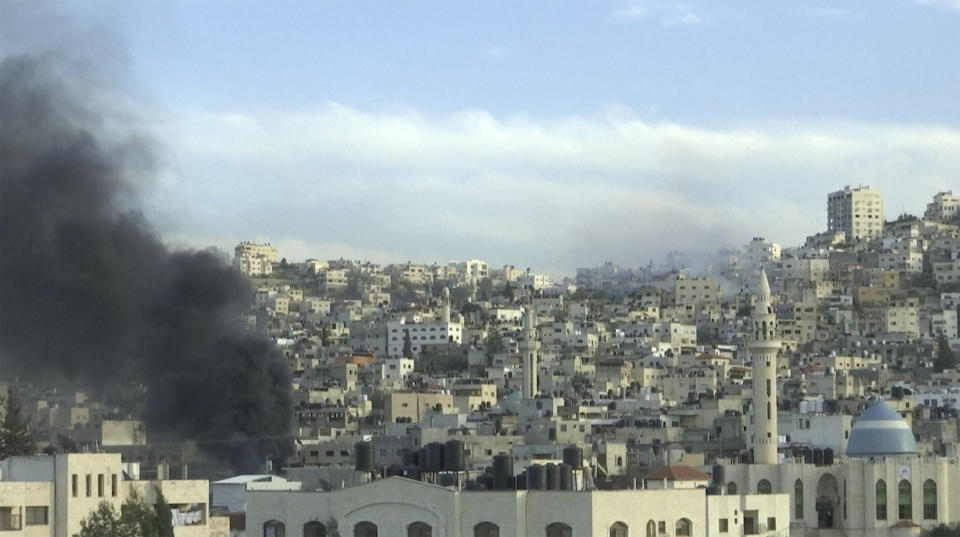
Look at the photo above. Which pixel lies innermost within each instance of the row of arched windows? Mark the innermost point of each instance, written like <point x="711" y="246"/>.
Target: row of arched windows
<point x="275" y="528"/>
<point x="905" y="500"/>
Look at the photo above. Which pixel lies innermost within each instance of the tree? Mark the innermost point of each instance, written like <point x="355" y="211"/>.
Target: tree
<point x="494" y="343"/>
<point x="105" y="522"/>
<point x="946" y="358"/>
<point x="333" y="529"/>
<point x="136" y="519"/>
<point x="15" y="436"/>
<point x="508" y="291"/>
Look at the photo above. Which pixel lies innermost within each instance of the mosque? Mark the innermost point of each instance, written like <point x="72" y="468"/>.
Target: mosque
<point x="880" y="486"/>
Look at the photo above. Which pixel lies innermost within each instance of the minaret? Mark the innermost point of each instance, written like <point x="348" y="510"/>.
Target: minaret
<point x="446" y="305"/>
<point x="529" y="348"/>
<point x="763" y="349"/>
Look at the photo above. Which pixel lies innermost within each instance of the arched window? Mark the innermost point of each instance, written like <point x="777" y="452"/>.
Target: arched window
<point x="419" y="529"/>
<point x="274" y="528"/>
<point x="365" y="529"/>
<point x="559" y="529"/>
<point x="798" y="500"/>
<point x="619" y="529"/>
<point x="314" y="529"/>
<point x="731" y="488"/>
<point x="763" y="487"/>
<point x="486" y="529"/>
<point x="651" y="529"/>
<point x="905" y="500"/>
<point x="929" y="500"/>
<point x="881" y="500"/>
<point x="684" y="528"/>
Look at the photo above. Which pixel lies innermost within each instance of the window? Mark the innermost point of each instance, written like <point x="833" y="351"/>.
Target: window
<point x="486" y="529"/>
<point x="89" y="484"/>
<point x="274" y="528"/>
<point x="929" y="500"/>
<point x="724" y="525"/>
<point x="731" y="488"/>
<point x="905" y="500"/>
<point x="763" y="487"/>
<point x="37" y="516"/>
<point x="771" y="523"/>
<point x="651" y="529"/>
<point x="100" y="485"/>
<point x="9" y="519"/>
<point x="559" y="529"/>
<point x="798" y="500"/>
<point x="365" y="529"/>
<point x="73" y="485"/>
<point x="619" y="529"/>
<point x="881" y="500"/>
<point x="684" y="528"/>
<point x="662" y="527"/>
<point x="419" y="529"/>
<point x="314" y="529"/>
<point x="113" y="485"/>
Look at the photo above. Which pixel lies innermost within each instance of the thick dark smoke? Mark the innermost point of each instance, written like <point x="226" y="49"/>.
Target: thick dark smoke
<point x="87" y="289"/>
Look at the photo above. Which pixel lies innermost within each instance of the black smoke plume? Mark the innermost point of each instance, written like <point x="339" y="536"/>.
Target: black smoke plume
<point x="87" y="289"/>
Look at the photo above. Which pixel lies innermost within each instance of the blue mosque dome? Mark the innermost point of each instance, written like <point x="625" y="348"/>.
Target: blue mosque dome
<point x="880" y="431"/>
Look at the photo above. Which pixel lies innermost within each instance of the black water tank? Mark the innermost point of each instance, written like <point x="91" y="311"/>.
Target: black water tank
<point x="411" y="457"/>
<point x="566" y="477"/>
<point x="817" y="456"/>
<point x="807" y="455"/>
<point x="448" y="479"/>
<point x="485" y="481"/>
<point x="718" y="477"/>
<point x="394" y="469"/>
<point x="553" y="477"/>
<point x="522" y="481"/>
<point x="454" y="456"/>
<point x="434" y="457"/>
<point x="536" y="477"/>
<point x="573" y="455"/>
<point x="828" y="456"/>
<point x="714" y="490"/>
<point x="412" y="472"/>
<point x="363" y="451"/>
<point x="503" y="472"/>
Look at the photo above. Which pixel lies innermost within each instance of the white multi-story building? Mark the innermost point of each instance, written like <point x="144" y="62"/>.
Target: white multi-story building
<point x="254" y="259"/>
<point x="857" y="212"/>
<point x="48" y="496"/>
<point x="944" y="207"/>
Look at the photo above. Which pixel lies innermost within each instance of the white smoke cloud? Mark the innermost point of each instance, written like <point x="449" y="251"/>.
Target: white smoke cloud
<point x="551" y="194"/>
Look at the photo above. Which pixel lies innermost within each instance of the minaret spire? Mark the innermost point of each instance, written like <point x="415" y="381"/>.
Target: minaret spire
<point x="763" y="349"/>
<point x="529" y="350"/>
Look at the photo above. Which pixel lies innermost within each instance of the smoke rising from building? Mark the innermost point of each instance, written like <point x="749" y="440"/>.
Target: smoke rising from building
<point x="89" y="291"/>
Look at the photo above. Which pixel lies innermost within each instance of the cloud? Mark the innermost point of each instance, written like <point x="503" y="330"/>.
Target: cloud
<point x="947" y="4"/>
<point x="550" y="194"/>
<point x="665" y="13"/>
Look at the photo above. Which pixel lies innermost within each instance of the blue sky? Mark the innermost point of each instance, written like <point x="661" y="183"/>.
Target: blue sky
<point x="544" y="134"/>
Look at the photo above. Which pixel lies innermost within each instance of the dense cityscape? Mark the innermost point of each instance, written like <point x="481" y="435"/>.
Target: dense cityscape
<point x="765" y="390"/>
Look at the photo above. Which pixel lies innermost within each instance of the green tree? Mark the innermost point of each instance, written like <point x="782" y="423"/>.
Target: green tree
<point x="15" y="436"/>
<point x="946" y="358"/>
<point x="508" y="291"/>
<point x="105" y="522"/>
<point x="494" y="343"/>
<point x="333" y="529"/>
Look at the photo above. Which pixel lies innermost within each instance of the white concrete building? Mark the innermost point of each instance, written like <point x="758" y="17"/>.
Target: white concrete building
<point x="399" y="507"/>
<point x="857" y="212"/>
<point x="48" y="496"/>
<point x="943" y="207"/>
